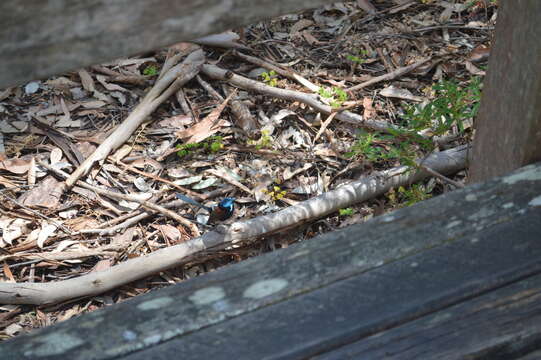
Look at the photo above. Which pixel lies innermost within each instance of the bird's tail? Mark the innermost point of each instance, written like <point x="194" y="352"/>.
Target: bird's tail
<point x="189" y="200"/>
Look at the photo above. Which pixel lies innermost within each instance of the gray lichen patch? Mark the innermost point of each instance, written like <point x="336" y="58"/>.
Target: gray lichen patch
<point x="452" y="224"/>
<point x="54" y="344"/>
<point x="483" y="213"/>
<point x="155" y="304"/>
<point x="529" y="173"/>
<point x="265" y="288"/>
<point x="207" y="295"/>
<point x="536" y="201"/>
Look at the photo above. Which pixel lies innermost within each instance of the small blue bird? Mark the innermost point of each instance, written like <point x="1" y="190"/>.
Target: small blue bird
<point x="223" y="211"/>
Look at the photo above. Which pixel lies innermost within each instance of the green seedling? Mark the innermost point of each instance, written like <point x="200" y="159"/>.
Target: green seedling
<point x="270" y="78"/>
<point x="346" y="212"/>
<point x="404" y="197"/>
<point x="358" y="59"/>
<point x="150" y="70"/>
<point x="212" y="144"/>
<point x="265" y="141"/>
<point x="335" y="96"/>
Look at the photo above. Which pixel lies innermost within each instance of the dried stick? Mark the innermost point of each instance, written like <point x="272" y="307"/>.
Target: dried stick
<point x="215" y="72"/>
<point x="389" y="76"/>
<point x="445" y="162"/>
<point x="173" y="215"/>
<point x="168" y="84"/>
<point x="287" y="73"/>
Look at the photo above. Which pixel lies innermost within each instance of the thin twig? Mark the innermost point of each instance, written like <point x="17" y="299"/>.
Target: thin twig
<point x="147" y="204"/>
<point x="442" y="177"/>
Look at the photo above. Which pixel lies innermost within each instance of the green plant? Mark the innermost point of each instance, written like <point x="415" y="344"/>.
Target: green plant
<point x="265" y="141"/>
<point x="346" y="212"/>
<point x="150" y="70"/>
<point x="358" y="59"/>
<point x="212" y="144"/>
<point x="270" y="78"/>
<point x="335" y="96"/>
<point x="451" y="106"/>
<point x="377" y="147"/>
<point x="276" y="193"/>
<point x="404" y="197"/>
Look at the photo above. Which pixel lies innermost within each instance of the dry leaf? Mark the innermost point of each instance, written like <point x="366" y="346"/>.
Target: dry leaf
<point x="55" y="156"/>
<point x="8" y="273"/>
<point x="13" y="329"/>
<point x="405" y="94"/>
<point x="206" y="127"/>
<point x="45" y="194"/>
<point x="16" y="166"/>
<point x="170" y="232"/>
<point x="474" y="69"/>
<point x="86" y="81"/>
<point x="480" y="53"/>
<point x="31" y="176"/>
<point x="102" y="265"/>
<point x="369" y="112"/>
<point x="367" y="6"/>
<point x="63" y="245"/>
<point x="46" y="231"/>
<point x="7" y="183"/>
<point x="13" y="229"/>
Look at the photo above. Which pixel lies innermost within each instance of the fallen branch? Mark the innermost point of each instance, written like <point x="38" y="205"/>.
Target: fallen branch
<point x="168" y="83"/>
<point x="445" y="162"/>
<point x="389" y="76"/>
<point x="311" y="100"/>
<point x="290" y="74"/>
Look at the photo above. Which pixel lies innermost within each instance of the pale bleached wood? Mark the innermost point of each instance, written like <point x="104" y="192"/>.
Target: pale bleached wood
<point x="43" y="38"/>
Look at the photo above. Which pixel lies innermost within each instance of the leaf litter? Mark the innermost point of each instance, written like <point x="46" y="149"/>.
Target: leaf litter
<point x="211" y="139"/>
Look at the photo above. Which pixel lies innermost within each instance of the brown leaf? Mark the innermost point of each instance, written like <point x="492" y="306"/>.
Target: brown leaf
<point x="170" y="232"/>
<point x="480" y="53"/>
<point x="46" y="194"/>
<point x="206" y="127"/>
<point x="367" y="6"/>
<point x="16" y="166"/>
<point x="86" y="81"/>
<point x="8" y="273"/>
<point x="369" y="111"/>
<point x="102" y="265"/>
<point x="474" y="69"/>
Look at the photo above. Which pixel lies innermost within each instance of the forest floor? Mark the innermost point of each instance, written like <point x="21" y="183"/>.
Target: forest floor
<point x="409" y="75"/>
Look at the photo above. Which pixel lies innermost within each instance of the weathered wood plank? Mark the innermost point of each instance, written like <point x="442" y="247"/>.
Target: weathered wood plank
<point x="536" y="355"/>
<point x="473" y="224"/>
<point x="43" y="38"/>
<point x="385" y="297"/>
<point x="503" y="324"/>
<point x="508" y="128"/>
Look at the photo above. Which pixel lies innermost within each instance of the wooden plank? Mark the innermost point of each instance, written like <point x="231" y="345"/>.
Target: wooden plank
<point x="43" y="38"/>
<point x="508" y="128"/>
<point x="503" y="324"/>
<point x="536" y="355"/>
<point x="394" y="294"/>
<point x="376" y="251"/>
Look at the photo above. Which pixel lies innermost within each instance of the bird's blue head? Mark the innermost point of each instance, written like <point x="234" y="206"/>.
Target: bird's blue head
<point x="227" y="203"/>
